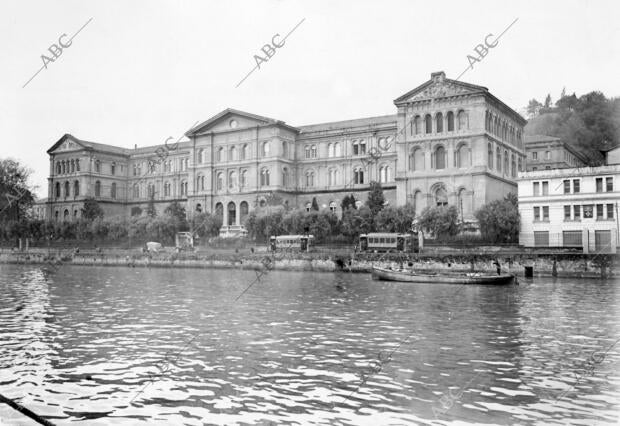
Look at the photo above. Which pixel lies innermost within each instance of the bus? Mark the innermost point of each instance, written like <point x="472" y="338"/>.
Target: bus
<point x="302" y="243"/>
<point x="387" y="241"/>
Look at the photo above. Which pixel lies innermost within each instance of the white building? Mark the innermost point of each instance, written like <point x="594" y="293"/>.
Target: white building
<point x="576" y="207"/>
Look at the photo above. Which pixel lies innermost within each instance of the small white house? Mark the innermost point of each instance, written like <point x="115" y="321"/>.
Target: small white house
<point x="575" y="207"/>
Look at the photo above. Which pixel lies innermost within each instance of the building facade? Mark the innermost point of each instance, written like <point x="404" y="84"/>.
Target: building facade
<point x="548" y="152"/>
<point x="449" y="143"/>
<point x="571" y="207"/>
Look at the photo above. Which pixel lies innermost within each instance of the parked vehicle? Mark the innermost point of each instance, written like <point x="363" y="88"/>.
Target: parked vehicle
<point x="233" y="231"/>
<point x="153" y="247"/>
<point x="302" y="243"/>
<point x="384" y="241"/>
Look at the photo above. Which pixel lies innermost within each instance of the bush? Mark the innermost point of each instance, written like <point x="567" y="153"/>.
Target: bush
<point x="357" y="221"/>
<point x="439" y="221"/>
<point x="395" y="219"/>
<point x="499" y="220"/>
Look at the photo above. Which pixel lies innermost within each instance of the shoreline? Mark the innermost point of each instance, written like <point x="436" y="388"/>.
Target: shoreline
<point x="571" y="265"/>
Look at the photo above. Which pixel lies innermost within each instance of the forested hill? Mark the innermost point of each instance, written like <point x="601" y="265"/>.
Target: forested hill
<point x="590" y="123"/>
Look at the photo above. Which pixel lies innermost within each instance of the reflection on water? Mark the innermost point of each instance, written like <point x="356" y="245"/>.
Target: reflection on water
<point x="125" y="346"/>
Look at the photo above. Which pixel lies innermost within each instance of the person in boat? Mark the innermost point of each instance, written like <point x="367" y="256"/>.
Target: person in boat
<point x="498" y="266"/>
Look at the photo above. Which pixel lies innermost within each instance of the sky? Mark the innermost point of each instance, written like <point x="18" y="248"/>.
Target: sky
<point x="139" y="72"/>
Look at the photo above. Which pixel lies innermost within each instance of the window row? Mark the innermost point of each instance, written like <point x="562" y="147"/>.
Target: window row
<point x="333" y="206"/>
<point x="603" y="212"/>
<point x="67" y="166"/>
<point x="501" y="128"/>
<point x="439" y="123"/>
<point x="67" y="189"/>
<point x="168" y="166"/>
<point x="232" y="153"/>
<point x="439" y="158"/>
<point x="511" y="162"/>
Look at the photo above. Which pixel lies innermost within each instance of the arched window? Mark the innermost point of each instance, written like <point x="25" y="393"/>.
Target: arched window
<point x="219" y="210"/>
<point x="428" y="124"/>
<point x="332" y="177"/>
<point x="450" y="121"/>
<point x="384" y="174"/>
<point x="245" y="152"/>
<point x="76" y="188"/>
<point x="136" y="191"/>
<point x="77" y="165"/>
<point x="199" y="208"/>
<point x="98" y="166"/>
<point x="490" y="155"/>
<point x="440" y="157"/>
<point x="243" y="179"/>
<point x="67" y="192"/>
<point x="330" y="150"/>
<point x="232" y="213"/>
<point x="358" y="175"/>
<point x="264" y="177"/>
<point x="362" y="143"/>
<point x="498" y="158"/>
<point x="57" y="189"/>
<point x="441" y="196"/>
<point x="232" y="180"/>
<point x="112" y="168"/>
<point x="63" y="167"/>
<point x="313" y="151"/>
<point x="333" y="207"/>
<point x="285" y="177"/>
<point x="183" y="188"/>
<point x="520" y="165"/>
<point x="310" y="178"/>
<point x="73" y="166"/>
<point x="506" y="169"/>
<point x="417" y="125"/>
<point x="199" y="156"/>
<point x="200" y="183"/>
<point x="284" y="149"/>
<point x="462" y="119"/>
<point x="113" y="191"/>
<point x="150" y="190"/>
<point x="58" y="168"/>
<point x="219" y="181"/>
<point x="166" y="189"/>
<point x="439" y="122"/>
<point x="266" y="149"/>
<point x="244" y="208"/>
<point x="337" y="149"/>
<point x="308" y="206"/>
<point x="461" y="156"/>
<point x="219" y="154"/>
<point x="416" y="159"/>
<point x="232" y="153"/>
<point x="513" y="167"/>
<point x="307" y="151"/>
<point x="65" y="215"/>
<point x="97" y="189"/>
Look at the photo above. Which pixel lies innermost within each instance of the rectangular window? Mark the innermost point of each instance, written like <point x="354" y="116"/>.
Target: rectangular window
<point x="534" y="155"/>
<point x="609" y="184"/>
<point x="602" y="241"/>
<point x="576" y="188"/>
<point x="572" y="238"/>
<point x="599" y="184"/>
<point x="541" y="238"/>
<point x="599" y="211"/>
<point x="567" y="186"/>
<point x="546" y="213"/>
<point x="547" y="155"/>
<point x="567" y="213"/>
<point x="545" y="188"/>
<point x="536" y="213"/>
<point x="536" y="188"/>
<point x="610" y="211"/>
<point x="577" y="212"/>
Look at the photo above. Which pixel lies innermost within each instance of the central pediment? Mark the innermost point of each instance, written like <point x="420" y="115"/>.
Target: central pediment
<point x="230" y="120"/>
<point x="439" y="87"/>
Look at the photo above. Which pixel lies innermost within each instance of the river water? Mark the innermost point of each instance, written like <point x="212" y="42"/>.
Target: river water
<point x="170" y="346"/>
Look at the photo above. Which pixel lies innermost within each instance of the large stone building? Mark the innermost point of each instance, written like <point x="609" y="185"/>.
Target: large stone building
<point x="449" y="143"/>
<point x="548" y="152"/>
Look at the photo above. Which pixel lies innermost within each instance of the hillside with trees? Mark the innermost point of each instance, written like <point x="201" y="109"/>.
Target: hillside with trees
<point x="590" y="123"/>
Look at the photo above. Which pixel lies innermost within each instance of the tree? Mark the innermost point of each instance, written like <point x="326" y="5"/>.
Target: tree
<point x="499" y="220"/>
<point x="395" y="219"/>
<point x="136" y="211"/>
<point x="16" y="197"/>
<point x="533" y="107"/>
<point x="357" y="221"/>
<point x="315" y="205"/>
<point x="177" y="211"/>
<point x="376" y="200"/>
<point x="206" y="225"/>
<point x="348" y="201"/>
<point x="150" y="208"/>
<point x="548" y="101"/>
<point x="91" y="210"/>
<point x="440" y="221"/>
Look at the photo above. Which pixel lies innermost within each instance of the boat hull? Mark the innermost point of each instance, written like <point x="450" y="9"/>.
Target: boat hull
<point x="440" y="277"/>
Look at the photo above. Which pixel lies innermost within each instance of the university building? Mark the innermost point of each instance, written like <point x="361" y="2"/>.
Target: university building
<point x="548" y="152"/>
<point x="449" y="143"/>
